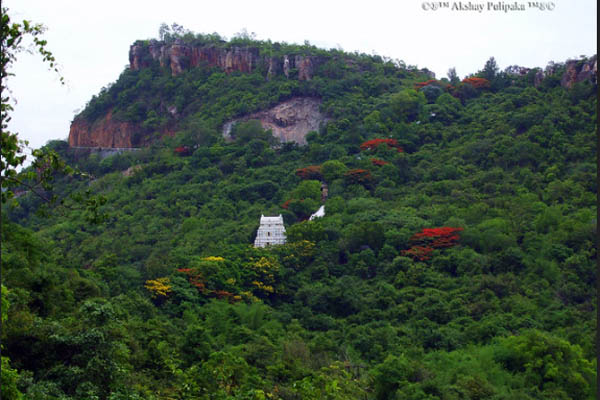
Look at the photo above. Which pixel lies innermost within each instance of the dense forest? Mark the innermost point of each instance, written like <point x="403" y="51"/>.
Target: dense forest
<point x="456" y="258"/>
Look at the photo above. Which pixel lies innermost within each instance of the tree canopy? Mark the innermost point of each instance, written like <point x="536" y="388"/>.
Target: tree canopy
<point x="456" y="258"/>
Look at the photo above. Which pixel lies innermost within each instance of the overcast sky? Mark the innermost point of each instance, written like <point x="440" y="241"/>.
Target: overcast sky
<point x="91" y="39"/>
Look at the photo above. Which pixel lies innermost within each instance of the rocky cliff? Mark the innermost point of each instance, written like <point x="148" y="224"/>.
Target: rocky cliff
<point x="105" y="132"/>
<point x="579" y="71"/>
<point x="289" y="121"/>
<point x="180" y="57"/>
<point x="574" y="71"/>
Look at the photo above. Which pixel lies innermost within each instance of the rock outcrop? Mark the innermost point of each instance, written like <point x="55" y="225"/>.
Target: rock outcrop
<point x="109" y="133"/>
<point x="289" y="121"/>
<point x="180" y="57"/>
<point x="105" y="133"/>
<point x="579" y="71"/>
<point x="574" y="71"/>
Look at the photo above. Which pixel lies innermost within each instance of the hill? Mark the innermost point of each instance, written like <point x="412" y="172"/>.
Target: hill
<point x="456" y="257"/>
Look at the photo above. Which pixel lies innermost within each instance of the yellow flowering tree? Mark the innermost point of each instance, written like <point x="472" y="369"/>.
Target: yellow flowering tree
<point x="264" y="270"/>
<point x="159" y="287"/>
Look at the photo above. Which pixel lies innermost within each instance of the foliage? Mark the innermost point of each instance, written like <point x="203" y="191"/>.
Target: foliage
<point x="359" y="177"/>
<point x="311" y="172"/>
<point x="158" y="287"/>
<point x="377" y="162"/>
<point x="374" y="143"/>
<point x="552" y="365"/>
<point x="477" y="83"/>
<point x="168" y="299"/>
<point x="12" y="148"/>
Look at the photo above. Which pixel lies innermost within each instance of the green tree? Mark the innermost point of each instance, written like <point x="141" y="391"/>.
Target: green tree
<point x="407" y="104"/>
<point x="11" y="147"/>
<point x="553" y="365"/>
<point x="392" y="374"/>
<point x="453" y="76"/>
<point x="333" y="169"/>
<point x="490" y="69"/>
<point x="9" y="376"/>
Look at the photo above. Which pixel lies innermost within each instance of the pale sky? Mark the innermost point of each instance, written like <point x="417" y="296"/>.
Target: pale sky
<point x="91" y="39"/>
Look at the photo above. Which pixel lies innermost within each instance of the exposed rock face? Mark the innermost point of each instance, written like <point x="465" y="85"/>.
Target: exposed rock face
<point x="538" y="78"/>
<point x="135" y="57"/>
<point x="305" y="67"/>
<point x="289" y="121"/>
<point x="275" y="67"/>
<point x="105" y="132"/>
<point x="578" y="71"/>
<point x="575" y="71"/>
<point x="286" y="66"/>
<point x="180" y="57"/>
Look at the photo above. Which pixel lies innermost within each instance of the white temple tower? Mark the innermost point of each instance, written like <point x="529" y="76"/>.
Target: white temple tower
<point x="271" y="231"/>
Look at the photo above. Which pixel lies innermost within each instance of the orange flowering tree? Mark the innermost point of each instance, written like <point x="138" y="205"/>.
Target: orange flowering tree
<point x="420" y="85"/>
<point x="213" y="277"/>
<point x="477" y="83"/>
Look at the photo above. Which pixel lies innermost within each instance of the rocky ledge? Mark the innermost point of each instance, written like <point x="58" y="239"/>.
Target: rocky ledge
<point x="289" y="121"/>
<point x="579" y="71"/>
<point x="574" y="71"/>
<point x="180" y="57"/>
<point x="107" y="132"/>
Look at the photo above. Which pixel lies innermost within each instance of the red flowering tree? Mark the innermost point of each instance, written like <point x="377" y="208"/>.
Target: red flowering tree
<point x="438" y="237"/>
<point x="374" y="143"/>
<point x="359" y="177"/>
<point x="183" y="150"/>
<point x="286" y="205"/>
<point x="420" y="253"/>
<point x="310" y="172"/>
<point x="430" y="239"/>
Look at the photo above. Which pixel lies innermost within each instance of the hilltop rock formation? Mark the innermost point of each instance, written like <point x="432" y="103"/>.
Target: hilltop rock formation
<point x="180" y="57"/>
<point x="289" y="121"/>
<point x="579" y="71"/>
<point x="574" y="71"/>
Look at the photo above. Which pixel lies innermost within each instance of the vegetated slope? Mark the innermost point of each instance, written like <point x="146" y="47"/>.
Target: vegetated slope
<point x="175" y="85"/>
<point x="455" y="260"/>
